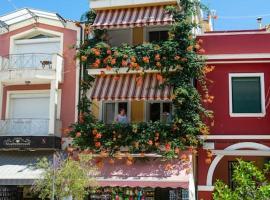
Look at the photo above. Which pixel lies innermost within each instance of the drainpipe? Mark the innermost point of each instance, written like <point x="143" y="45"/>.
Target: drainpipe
<point x="80" y="64"/>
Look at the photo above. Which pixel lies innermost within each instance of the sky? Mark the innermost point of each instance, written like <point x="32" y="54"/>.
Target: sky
<point x="232" y="14"/>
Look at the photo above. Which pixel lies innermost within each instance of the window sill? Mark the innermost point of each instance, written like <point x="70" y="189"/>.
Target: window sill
<point x="247" y="115"/>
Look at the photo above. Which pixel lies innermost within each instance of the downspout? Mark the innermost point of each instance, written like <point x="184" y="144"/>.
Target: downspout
<point x="80" y="65"/>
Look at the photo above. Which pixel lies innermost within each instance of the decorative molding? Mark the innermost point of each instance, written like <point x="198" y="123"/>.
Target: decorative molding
<point x="241" y="145"/>
<point x="205" y="188"/>
<point x="238" y="56"/>
<point x="241" y="152"/>
<point x="236" y="137"/>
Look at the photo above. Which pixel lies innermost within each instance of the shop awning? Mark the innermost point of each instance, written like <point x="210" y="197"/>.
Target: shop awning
<point x="124" y="87"/>
<point x="17" y="168"/>
<point x="132" y="17"/>
<point x="146" y="173"/>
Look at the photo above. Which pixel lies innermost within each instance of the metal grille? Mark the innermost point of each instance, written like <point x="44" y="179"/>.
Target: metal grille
<point x="26" y="61"/>
<point x="27" y="127"/>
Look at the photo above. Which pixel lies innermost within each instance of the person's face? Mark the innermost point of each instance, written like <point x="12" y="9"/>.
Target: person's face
<point x="122" y="112"/>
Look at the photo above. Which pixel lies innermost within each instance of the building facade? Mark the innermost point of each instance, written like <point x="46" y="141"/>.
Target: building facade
<point x="241" y="90"/>
<point x="38" y="78"/>
<point x="136" y="22"/>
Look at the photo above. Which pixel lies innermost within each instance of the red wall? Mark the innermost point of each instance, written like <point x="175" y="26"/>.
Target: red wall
<point x="69" y="85"/>
<point x="224" y="124"/>
<point x="235" y="43"/>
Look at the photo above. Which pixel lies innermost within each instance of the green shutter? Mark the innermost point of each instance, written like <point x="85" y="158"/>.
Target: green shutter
<point x="246" y="95"/>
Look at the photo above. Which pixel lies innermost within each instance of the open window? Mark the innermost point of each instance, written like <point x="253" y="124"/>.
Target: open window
<point x="112" y="109"/>
<point x="117" y="37"/>
<point x="247" y="95"/>
<point x="156" y="34"/>
<point x="159" y="111"/>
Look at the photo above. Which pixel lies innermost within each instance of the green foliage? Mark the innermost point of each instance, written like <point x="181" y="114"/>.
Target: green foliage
<point x="177" y="61"/>
<point x="250" y="183"/>
<point x="71" y="178"/>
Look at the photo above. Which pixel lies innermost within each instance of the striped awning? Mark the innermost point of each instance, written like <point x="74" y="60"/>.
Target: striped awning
<point x="131" y="17"/>
<point x="124" y="87"/>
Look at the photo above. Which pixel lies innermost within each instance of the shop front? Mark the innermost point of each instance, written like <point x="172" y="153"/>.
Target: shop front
<point x="146" y="179"/>
<point x="18" y="173"/>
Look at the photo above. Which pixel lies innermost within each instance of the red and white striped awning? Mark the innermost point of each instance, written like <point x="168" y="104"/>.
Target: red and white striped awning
<point x="131" y="17"/>
<point x="126" y="87"/>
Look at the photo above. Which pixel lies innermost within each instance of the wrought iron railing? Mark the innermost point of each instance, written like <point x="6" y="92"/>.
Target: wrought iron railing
<point x="24" y="127"/>
<point x="27" y="61"/>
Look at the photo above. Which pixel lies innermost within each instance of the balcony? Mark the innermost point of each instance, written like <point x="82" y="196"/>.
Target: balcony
<point x="37" y="68"/>
<point x="27" y="127"/>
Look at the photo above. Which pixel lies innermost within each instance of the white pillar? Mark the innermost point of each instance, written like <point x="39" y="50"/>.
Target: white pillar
<point x="53" y="104"/>
<point x="1" y="99"/>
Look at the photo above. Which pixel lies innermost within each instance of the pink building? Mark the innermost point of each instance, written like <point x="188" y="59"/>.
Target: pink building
<point x="38" y="92"/>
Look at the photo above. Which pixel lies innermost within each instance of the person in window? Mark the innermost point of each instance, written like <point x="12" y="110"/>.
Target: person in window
<point x="166" y="117"/>
<point x="122" y="117"/>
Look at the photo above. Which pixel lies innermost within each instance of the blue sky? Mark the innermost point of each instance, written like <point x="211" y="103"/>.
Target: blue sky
<point x="233" y="14"/>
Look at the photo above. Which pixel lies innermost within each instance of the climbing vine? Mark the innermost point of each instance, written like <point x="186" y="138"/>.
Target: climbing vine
<point x="178" y="63"/>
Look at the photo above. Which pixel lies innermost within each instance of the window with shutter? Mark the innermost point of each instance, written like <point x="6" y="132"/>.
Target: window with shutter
<point x="247" y="95"/>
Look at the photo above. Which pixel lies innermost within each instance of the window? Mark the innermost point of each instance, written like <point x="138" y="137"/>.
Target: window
<point x="118" y="37"/>
<point x="247" y="95"/>
<point x="159" y="111"/>
<point x="112" y="109"/>
<point x="231" y="167"/>
<point x="158" y="36"/>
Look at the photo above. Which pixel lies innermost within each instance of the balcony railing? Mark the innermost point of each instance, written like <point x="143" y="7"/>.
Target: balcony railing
<point x="27" y="61"/>
<point x="24" y="127"/>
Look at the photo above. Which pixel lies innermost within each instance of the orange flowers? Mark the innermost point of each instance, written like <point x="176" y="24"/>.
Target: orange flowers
<point x="190" y="48"/>
<point x="208" y="161"/>
<point x="78" y="134"/>
<point x="157" y="57"/>
<point x="160" y="78"/>
<point x="97" y="144"/>
<point x="84" y="58"/>
<point x="168" y="147"/>
<point x="207" y="69"/>
<point x="208" y="99"/>
<point x="98" y="135"/>
<point x="201" y="51"/>
<point x="124" y="63"/>
<point x="200" y="41"/>
<point x="133" y="59"/>
<point x="177" y="57"/>
<point x="168" y="167"/>
<point x="146" y="59"/>
<point x="158" y="64"/>
<point x="204" y="130"/>
<point x="95" y="51"/>
<point x="96" y="63"/>
<point x="109" y="52"/>
<point x="113" y="61"/>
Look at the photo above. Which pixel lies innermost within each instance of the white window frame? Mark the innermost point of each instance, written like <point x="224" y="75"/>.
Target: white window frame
<point x="146" y="106"/>
<point x="24" y="93"/>
<point x="116" y="108"/>
<point x="148" y="29"/>
<point x="15" y="38"/>
<point x="261" y="76"/>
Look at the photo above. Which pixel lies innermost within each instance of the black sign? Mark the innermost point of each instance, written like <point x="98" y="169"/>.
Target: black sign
<point x="30" y="142"/>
